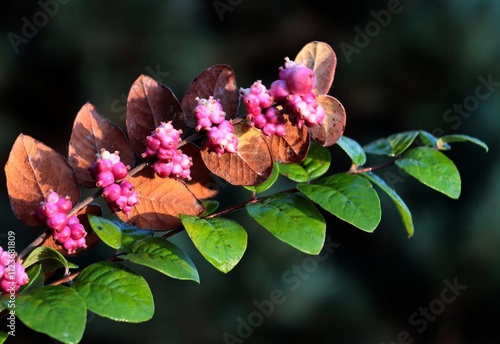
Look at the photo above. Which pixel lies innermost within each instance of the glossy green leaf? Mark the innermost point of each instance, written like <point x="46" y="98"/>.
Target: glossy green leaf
<point x="432" y="168"/>
<point x="393" y="145"/>
<point x="443" y="140"/>
<point x="56" y="311"/>
<point x="3" y="337"/>
<point x="353" y="149"/>
<point x="210" y="206"/>
<point x="49" y="258"/>
<point x="268" y="183"/>
<point x="316" y="163"/>
<point x="113" y="291"/>
<point x="221" y="241"/>
<point x="117" y="235"/>
<point x="163" y="256"/>
<point x="293" y="219"/>
<point x="36" y="279"/>
<point x="349" y="197"/>
<point x="400" y="204"/>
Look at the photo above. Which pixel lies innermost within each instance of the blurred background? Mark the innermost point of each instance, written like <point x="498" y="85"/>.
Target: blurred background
<point x="402" y="65"/>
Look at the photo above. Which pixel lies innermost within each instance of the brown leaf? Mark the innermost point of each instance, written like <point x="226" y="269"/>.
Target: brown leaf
<point x="251" y="165"/>
<point x="32" y="170"/>
<point x="333" y="123"/>
<point x="320" y="57"/>
<point x="202" y="184"/>
<point x="217" y="81"/>
<point x="149" y="103"/>
<point x="291" y="148"/>
<point x="161" y="200"/>
<point x="92" y="132"/>
<point x="91" y="239"/>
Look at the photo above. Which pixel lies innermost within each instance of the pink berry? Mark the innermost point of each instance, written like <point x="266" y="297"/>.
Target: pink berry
<point x="104" y="179"/>
<point x="300" y="80"/>
<point x="111" y="192"/>
<point x="119" y="170"/>
<point x="57" y="221"/>
<point x="64" y="204"/>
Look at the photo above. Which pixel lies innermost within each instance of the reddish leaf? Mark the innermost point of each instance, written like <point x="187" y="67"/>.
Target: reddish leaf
<point x="161" y="200"/>
<point x="91" y="239"/>
<point x="149" y="103"/>
<point x="251" y="165"/>
<point x="202" y="184"/>
<point x="291" y="148"/>
<point x="217" y="81"/>
<point x="92" y="132"/>
<point x="333" y="124"/>
<point x="32" y="170"/>
<point x="320" y="57"/>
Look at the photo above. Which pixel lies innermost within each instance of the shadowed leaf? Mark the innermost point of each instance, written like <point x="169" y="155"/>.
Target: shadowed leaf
<point x="161" y="200"/>
<point x="33" y="169"/>
<point x="149" y="103"/>
<point x="217" y="81"/>
<point x="320" y="57"/>
<point x="291" y="148"/>
<point x="92" y="132"/>
<point x="202" y="184"/>
<point x="251" y="165"/>
<point x="333" y="123"/>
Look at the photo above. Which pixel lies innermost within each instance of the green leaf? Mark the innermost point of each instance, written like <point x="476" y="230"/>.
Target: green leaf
<point x="3" y="337"/>
<point x="163" y="256"/>
<point x="210" y="206"/>
<point x="460" y="138"/>
<point x="36" y="279"/>
<point x="117" y="235"/>
<point x="400" y="204"/>
<point x="393" y="145"/>
<point x="293" y="219"/>
<point x="113" y="291"/>
<point x="221" y="241"/>
<point x="353" y="149"/>
<point x="316" y="163"/>
<point x="50" y="259"/>
<point x="269" y="181"/>
<point x="432" y="168"/>
<point x="349" y="197"/>
<point x="54" y="310"/>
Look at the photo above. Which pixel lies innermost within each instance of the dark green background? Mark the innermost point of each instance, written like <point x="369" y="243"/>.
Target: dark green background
<point x="427" y="58"/>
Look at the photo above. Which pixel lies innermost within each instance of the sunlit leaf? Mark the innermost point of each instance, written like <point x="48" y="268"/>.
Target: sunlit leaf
<point x="393" y="145"/>
<point x="202" y="183"/>
<point x="316" y="163"/>
<point x="432" y="168"/>
<point x="149" y="103"/>
<point x="320" y="57"/>
<point x="334" y="122"/>
<point x="353" y="149"/>
<point x="117" y="235"/>
<point x="444" y="140"/>
<point x="91" y="132"/>
<point x="161" y="200"/>
<point x="217" y="81"/>
<point x="33" y="169"/>
<point x="293" y="219"/>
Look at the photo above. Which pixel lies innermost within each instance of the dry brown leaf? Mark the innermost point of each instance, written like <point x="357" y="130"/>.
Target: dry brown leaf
<point x="320" y="57"/>
<point x="92" y="132"/>
<point x="202" y="184"/>
<point x="291" y="148"/>
<point x="161" y="201"/>
<point x="33" y="169"/>
<point x="333" y="123"/>
<point x="149" y="103"/>
<point x="251" y="165"/>
<point x="217" y="81"/>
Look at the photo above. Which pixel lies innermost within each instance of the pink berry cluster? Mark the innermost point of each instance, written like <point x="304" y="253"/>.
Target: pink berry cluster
<point x="12" y="274"/>
<point x="108" y="170"/>
<point x="294" y="88"/>
<point x="67" y="231"/>
<point x="163" y="144"/>
<point x="258" y="102"/>
<point x="220" y="132"/>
